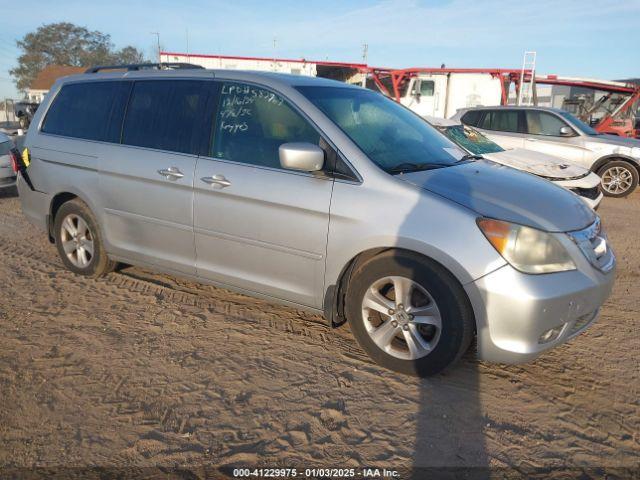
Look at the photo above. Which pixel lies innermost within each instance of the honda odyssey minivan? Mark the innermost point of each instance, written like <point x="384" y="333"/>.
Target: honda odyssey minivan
<point x="320" y="195"/>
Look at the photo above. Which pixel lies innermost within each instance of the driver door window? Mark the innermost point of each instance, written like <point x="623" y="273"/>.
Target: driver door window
<point x="543" y="123"/>
<point x="253" y="122"/>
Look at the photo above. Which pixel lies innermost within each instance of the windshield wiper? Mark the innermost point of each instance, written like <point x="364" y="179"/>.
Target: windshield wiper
<point x="471" y="156"/>
<point x="415" y="167"/>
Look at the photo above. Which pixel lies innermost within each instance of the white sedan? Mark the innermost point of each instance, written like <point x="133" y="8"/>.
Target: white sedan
<point x="574" y="178"/>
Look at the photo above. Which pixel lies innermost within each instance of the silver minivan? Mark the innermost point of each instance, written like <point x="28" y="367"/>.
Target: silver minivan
<point x="320" y="195"/>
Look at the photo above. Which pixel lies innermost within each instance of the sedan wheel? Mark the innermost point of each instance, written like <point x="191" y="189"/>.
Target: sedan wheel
<point x="619" y="179"/>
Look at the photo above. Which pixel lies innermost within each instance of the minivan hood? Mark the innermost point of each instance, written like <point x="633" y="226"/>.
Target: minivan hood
<point x="495" y="191"/>
<point x="538" y="163"/>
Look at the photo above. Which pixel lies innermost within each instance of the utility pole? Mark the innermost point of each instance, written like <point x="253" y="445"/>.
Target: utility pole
<point x="187" y="43"/>
<point x="275" y="65"/>
<point x="157" y="34"/>
<point x="365" y="53"/>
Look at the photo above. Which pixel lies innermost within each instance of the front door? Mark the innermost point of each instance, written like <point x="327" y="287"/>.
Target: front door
<point x="543" y="135"/>
<point x="426" y="96"/>
<point x="258" y="226"/>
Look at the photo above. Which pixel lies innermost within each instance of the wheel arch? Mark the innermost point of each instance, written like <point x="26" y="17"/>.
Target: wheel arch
<point x="602" y="161"/>
<point x="335" y="293"/>
<point x="57" y="201"/>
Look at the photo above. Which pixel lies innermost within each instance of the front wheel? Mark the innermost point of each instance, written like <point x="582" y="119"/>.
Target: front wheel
<point x="408" y="313"/>
<point x="78" y="240"/>
<point x="619" y="178"/>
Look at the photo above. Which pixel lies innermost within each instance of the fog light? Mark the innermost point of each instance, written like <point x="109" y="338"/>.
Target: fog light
<point x="550" y="335"/>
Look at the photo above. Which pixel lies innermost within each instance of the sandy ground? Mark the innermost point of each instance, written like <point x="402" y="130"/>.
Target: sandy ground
<point x="140" y="369"/>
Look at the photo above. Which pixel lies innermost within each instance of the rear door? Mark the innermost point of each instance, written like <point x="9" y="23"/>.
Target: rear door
<point x="504" y="126"/>
<point x="427" y="96"/>
<point x="258" y="226"/>
<point x="146" y="184"/>
<point x="543" y="135"/>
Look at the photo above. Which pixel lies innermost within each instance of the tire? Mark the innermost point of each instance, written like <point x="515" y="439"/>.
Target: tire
<point x="76" y="215"/>
<point x="619" y="178"/>
<point x="430" y="285"/>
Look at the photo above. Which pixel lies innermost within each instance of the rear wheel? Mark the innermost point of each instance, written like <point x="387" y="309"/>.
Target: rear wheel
<point x="79" y="242"/>
<point x="619" y="178"/>
<point x="408" y="313"/>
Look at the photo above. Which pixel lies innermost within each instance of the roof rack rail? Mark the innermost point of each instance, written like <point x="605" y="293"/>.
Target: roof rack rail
<point x="145" y="66"/>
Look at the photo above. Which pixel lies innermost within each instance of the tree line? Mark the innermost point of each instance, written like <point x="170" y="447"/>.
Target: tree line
<point x="64" y="43"/>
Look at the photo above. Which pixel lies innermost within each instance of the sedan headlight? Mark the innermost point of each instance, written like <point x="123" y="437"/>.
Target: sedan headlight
<point x="525" y="248"/>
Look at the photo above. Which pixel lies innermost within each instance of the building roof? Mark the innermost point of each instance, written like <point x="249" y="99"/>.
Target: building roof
<point x="49" y="74"/>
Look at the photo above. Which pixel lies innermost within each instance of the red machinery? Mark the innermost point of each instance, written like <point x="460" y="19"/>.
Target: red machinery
<point x="618" y="121"/>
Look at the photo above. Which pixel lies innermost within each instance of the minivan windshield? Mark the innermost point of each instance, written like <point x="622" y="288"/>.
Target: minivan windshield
<point x="576" y="122"/>
<point x="470" y="139"/>
<point x="393" y="137"/>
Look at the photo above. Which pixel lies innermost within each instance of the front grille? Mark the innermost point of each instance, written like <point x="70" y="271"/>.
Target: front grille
<point x="590" y="193"/>
<point x="592" y="242"/>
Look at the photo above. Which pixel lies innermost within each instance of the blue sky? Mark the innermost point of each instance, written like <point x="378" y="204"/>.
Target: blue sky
<point x="572" y="37"/>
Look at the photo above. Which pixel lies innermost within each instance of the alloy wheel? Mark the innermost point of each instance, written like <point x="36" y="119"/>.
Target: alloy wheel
<point x="617" y="180"/>
<point x="401" y="317"/>
<point x="77" y="240"/>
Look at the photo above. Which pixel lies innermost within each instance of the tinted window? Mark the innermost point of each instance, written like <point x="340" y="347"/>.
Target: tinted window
<point x="576" y="122"/>
<point x="543" y="123"/>
<point x="91" y="110"/>
<point x="165" y="114"/>
<point x="253" y="122"/>
<point x="5" y="147"/>
<point x="500" y="120"/>
<point x="389" y="134"/>
<point x="471" y="118"/>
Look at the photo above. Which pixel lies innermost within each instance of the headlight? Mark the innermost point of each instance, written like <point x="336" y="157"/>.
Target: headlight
<point x="526" y="249"/>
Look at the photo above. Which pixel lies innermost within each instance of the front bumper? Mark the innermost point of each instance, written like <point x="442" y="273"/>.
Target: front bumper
<point x="587" y="188"/>
<point x="514" y="310"/>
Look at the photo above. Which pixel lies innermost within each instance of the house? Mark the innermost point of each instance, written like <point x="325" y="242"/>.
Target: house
<point x="46" y="78"/>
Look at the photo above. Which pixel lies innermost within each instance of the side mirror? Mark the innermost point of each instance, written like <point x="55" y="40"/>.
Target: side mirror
<point x="305" y="157"/>
<point x="566" y="132"/>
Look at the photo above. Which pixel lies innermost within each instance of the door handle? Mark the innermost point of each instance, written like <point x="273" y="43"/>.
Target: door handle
<point x="171" y="173"/>
<point x="217" y="180"/>
<point x="531" y="140"/>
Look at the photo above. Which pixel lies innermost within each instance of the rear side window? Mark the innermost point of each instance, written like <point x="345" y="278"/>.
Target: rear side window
<point x="5" y="147"/>
<point x="91" y="111"/>
<point x="471" y="118"/>
<point x="253" y="122"/>
<point x="543" y="123"/>
<point x="500" y="120"/>
<point x="165" y="114"/>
